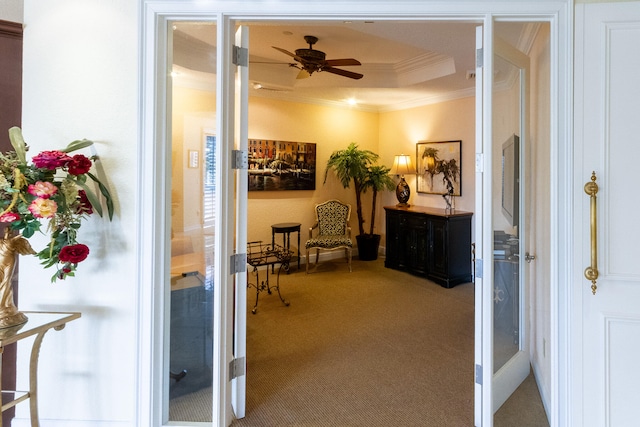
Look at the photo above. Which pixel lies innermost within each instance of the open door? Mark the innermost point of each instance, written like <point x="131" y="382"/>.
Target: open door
<point x="238" y="377"/>
<point x="502" y="355"/>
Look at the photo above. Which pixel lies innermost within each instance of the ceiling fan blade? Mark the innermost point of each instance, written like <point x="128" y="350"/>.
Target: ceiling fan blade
<point x="286" y="52"/>
<point x="303" y="74"/>
<point x="344" y="73"/>
<point x="342" y="62"/>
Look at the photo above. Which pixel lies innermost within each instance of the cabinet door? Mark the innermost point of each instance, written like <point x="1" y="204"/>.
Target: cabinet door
<point x="417" y="244"/>
<point x="437" y="253"/>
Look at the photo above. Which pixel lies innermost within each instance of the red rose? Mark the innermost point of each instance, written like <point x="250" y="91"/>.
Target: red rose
<point x="9" y="217"/>
<point x="74" y="253"/>
<point x="85" y="205"/>
<point x="79" y="164"/>
<point x="51" y="159"/>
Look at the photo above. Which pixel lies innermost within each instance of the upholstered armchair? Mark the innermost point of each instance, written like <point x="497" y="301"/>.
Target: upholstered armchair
<point x="332" y="230"/>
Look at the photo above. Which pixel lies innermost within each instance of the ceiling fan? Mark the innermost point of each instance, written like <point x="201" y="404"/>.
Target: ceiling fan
<point x="312" y="60"/>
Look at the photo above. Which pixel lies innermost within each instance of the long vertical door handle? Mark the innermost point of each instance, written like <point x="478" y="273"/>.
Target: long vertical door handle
<point x="591" y="272"/>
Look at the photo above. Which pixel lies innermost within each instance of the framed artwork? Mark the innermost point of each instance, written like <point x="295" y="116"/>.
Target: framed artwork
<point x="439" y="168"/>
<point x="281" y="165"/>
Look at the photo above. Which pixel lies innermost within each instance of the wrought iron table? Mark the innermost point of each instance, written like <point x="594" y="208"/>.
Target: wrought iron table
<point x="39" y="324"/>
<point x="259" y="255"/>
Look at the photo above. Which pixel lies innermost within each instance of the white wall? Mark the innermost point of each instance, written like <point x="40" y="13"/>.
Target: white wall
<point x="11" y="10"/>
<point x="80" y="68"/>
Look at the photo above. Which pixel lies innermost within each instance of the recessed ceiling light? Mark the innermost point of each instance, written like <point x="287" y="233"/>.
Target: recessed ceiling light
<point x="352" y="101"/>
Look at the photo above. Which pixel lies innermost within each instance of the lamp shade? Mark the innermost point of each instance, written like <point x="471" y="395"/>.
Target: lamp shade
<point x="402" y="165"/>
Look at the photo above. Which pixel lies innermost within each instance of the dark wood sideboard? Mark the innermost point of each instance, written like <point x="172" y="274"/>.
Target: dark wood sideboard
<point x="428" y="242"/>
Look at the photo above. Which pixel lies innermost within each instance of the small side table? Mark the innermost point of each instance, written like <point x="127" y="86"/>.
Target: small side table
<point x="285" y="228"/>
<point x="38" y="324"/>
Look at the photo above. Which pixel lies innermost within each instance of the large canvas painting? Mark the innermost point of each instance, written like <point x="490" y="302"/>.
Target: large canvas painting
<point x="281" y="165"/>
<point x="439" y="167"/>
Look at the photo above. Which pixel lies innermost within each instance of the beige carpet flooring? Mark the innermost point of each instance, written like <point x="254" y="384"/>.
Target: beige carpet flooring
<point x="375" y="347"/>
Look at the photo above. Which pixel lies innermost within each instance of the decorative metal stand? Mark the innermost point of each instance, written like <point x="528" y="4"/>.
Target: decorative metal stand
<point x="259" y="255"/>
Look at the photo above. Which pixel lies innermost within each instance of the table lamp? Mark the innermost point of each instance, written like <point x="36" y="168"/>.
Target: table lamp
<point x="402" y="165"/>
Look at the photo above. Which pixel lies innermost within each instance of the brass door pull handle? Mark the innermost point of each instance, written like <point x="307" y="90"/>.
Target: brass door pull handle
<point x="591" y="272"/>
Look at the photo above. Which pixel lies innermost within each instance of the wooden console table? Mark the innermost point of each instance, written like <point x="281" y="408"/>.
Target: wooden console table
<point x="429" y="242"/>
<point x="39" y="324"/>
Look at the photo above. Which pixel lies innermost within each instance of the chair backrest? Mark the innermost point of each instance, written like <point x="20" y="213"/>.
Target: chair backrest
<point x="333" y="217"/>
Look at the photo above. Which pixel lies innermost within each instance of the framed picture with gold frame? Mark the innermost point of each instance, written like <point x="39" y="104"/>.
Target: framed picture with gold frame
<point x="439" y="167"/>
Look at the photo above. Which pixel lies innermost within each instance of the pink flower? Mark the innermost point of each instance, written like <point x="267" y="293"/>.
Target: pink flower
<point x="74" y="253"/>
<point x="9" y="217"/>
<point x="79" y="164"/>
<point x="42" y="189"/>
<point x="51" y="159"/>
<point x="43" y="208"/>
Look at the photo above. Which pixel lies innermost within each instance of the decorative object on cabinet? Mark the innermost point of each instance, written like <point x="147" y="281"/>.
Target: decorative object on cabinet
<point x="52" y="188"/>
<point x="439" y="167"/>
<point x="281" y="165"/>
<point x="357" y="165"/>
<point x="429" y="242"/>
<point x="402" y="166"/>
<point x="333" y="230"/>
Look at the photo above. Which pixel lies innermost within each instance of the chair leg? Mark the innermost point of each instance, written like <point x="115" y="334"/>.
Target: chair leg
<point x="349" y="257"/>
<point x="308" y="260"/>
<point x="317" y="255"/>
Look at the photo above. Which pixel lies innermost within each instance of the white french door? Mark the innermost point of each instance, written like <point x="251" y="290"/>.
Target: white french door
<point x="238" y="384"/>
<point x="606" y="343"/>
<point x="502" y="99"/>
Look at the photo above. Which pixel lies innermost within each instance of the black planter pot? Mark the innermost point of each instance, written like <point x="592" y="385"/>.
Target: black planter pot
<point x="368" y="245"/>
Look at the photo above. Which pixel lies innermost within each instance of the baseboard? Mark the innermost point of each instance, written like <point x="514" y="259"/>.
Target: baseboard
<point x="25" y="422"/>
<point x="543" y="391"/>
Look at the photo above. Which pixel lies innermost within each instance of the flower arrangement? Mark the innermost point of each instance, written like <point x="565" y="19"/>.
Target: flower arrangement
<point x="53" y="187"/>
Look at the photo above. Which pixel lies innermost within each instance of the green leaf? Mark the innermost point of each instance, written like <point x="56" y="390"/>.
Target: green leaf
<point x="105" y="192"/>
<point x="77" y="145"/>
<point x="17" y="141"/>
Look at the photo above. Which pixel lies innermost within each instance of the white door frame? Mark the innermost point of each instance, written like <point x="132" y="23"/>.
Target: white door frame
<point x="152" y="184"/>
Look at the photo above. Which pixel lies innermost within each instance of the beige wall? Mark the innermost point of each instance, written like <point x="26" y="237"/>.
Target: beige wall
<point x="401" y="130"/>
<point x="386" y="133"/>
<point x="330" y="129"/>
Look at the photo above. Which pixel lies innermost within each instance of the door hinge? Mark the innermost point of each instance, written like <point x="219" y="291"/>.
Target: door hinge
<point x="479" y="162"/>
<point x="478" y="374"/>
<point x="238" y="263"/>
<point x="240" y="56"/>
<point x="236" y="368"/>
<point x="479" y="268"/>
<point x="239" y="159"/>
<point x="480" y="58"/>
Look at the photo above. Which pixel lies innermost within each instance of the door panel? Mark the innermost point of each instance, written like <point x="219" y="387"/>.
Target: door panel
<point x="607" y="102"/>
<point x="241" y="143"/>
<point x="501" y="300"/>
<point x="510" y="137"/>
<point x="189" y="327"/>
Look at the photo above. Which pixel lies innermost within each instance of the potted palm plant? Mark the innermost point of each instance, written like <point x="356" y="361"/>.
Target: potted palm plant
<point x="357" y="165"/>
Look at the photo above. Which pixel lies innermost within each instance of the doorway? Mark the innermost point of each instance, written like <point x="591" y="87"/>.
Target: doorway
<point x="186" y="155"/>
<point x="221" y="365"/>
